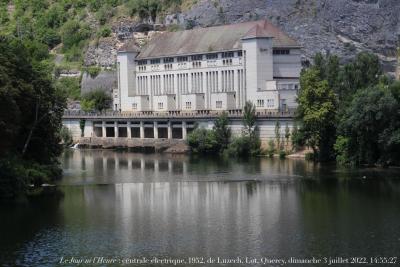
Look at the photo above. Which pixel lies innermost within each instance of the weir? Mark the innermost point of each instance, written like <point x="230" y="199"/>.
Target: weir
<point x="162" y="129"/>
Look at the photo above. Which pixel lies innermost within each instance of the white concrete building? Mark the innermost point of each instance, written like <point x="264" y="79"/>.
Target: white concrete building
<point x="215" y="68"/>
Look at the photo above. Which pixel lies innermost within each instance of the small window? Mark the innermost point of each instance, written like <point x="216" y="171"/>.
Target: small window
<point x="168" y="60"/>
<point x="218" y="104"/>
<point x="188" y="105"/>
<point x="281" y="52"/>
<point x="260" y="103"/>
<point x="212" y="56"/>
<point x="160" y="105"/>
<point x="142" y="62"/>
<point x="182" y="59"/>
<point x="197" y="57"/>
<point x="227" y="54"/>
<point x="155" y="61"/>
<point x="240" y="53"/>
<point x="134" y="106"/>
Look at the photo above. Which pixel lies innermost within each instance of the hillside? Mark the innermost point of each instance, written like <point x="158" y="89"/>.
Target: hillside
<point x="85" y="35"/>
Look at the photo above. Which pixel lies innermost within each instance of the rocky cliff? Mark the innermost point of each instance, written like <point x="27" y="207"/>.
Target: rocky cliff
<point x="342" y="27"/>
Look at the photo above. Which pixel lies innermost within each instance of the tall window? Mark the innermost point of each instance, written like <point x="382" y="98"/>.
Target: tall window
<point x="212" y="56"/>
<point x="188" y="105"/>
<point x="196" y="57"/>
<point x="155" y="61"/>
<point x="227" y="54"/>
<point x="281" y="51"/>
<point x="182" y="59"/>
<point x="260" y="103"/>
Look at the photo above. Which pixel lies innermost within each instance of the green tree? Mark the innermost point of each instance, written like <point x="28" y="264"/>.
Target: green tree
<point x="96" y="100"/>
<point x="317" y="113"/>
<point x="222" y="131"/>
<point x="278" y="134"/>
<point x="30" y="118"/>
<point x="369" y="130"/>
<point x="249" y="118"/>
<point x="287" y="135"/>
<point x="203" y="141"/>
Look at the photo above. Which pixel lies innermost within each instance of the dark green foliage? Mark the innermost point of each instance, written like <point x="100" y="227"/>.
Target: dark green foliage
<point x="96" y="100"/>
<point x="82" y="123"/>
<point x="369" y="130"/>
<point x="222" y="131"/>
<point x="66" y="136"/>
<point x="211" y="141"/>
<point x="93" y="71"/>
<point x="70" y="86"/>
<point x="360" y="121"/>
<point x="317" y="113"/>
<point x="73" y="33"/>
<point x="203" y="141"/>
<point x="245" y="146"/>
<point x="30" y="117"/>
<point x="249" y="117"/>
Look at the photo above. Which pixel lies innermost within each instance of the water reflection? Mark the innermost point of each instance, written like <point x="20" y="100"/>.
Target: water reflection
<point x="124" y="204"/>
<point x="106" y="166"/>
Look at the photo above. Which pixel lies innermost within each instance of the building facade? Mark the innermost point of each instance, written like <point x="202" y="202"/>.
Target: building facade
<point x="215" y="68"/>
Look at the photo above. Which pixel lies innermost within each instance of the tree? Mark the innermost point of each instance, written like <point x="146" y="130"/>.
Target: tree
<point x="317" y="113"/>
<point x="96" y="100"/>
<point x="369" y="130"/>
<point x="82" y="123"/>
<point x="249" y="118"/>
<point x="30" y="118"/>
<point x="203" y="141"/>
<point x="287" y="134"/>
<point x="222" y="131"/>
<point x="278" y="134"/>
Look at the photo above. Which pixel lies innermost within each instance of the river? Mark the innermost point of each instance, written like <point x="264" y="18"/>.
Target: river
<point x="124" y="205"/>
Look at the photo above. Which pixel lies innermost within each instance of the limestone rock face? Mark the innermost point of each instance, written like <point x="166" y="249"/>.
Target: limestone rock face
<point x="105" y="80"/>
<point x="103" y="53"/>
<point x="343" y="27"/>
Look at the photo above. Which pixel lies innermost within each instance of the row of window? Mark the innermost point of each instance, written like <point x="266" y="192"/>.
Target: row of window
<point x="270" y="103"/>
<point x="230" y="54"/>
<point x="281" y="51"/>
<point x="214" y="81"/>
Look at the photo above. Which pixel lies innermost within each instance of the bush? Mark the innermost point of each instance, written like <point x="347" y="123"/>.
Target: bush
<point x="70" y="86"/>
<point x="104" y="32"/>
<point x="244" y="146"/>
<point x="271" y="148"/>
<point x="203" y="141"/>
<point x="96" y="100"/>
<point x="66" y="136"/>
<point x="93" y="71"/>
<point x="282" y="154"/>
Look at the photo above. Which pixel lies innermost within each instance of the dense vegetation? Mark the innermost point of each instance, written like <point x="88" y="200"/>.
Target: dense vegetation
<point x="30" y="119"/>
<point x="73" y="23"/>
<point x="219" y="140"/>
<point x="350" y="112"/>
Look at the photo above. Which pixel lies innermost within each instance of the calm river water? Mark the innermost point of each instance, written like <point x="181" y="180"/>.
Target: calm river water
<point x="125" y="205"/>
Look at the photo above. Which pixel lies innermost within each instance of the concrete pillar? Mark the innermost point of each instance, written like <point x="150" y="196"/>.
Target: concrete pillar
<point x="169" y="130"/>
<point x="184" y="130"/>
<point x="155" y="130"/>
<point x="141" y="130"/>
<point x="128" y="129"/>
<point x="116" y="129"/>
<point x="103" y="129"/>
